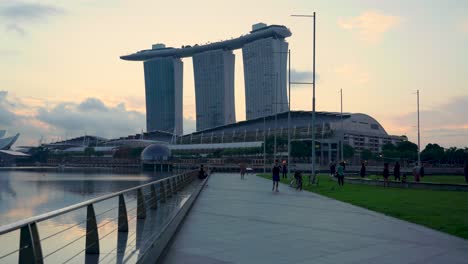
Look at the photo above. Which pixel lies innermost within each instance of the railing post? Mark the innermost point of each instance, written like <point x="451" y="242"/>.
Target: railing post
<point x="92" y="236"/>
<point x="123" y="220"/>
<point x="174" y="184"/>
<point x="163" y="191"/>
<point x="30" y="245"/>
<point x="141" y="210"/>
<point x="153" y="198"/>
<point x="169" y="191"/>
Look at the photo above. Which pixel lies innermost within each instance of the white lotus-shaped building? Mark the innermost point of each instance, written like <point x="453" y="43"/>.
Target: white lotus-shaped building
<point x="7" y="142"/>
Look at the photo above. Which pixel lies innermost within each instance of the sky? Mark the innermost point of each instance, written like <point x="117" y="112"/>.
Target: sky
<point x="61" y="76"/>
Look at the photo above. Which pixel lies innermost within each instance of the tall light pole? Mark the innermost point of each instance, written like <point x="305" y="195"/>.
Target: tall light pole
<point x="341" y="121"/>
<point x="289" y="111"/>
<point x="313" y="95"/>
<point x="419" y="133"/>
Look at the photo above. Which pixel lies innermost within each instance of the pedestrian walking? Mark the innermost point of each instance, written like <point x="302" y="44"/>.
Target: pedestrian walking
<point x="340" y="173"/>
<point x="386" y="174"/>
<point x="243" y="169"/>
<point x="276" y="175"/>
<point x="202" y="173"/>
<point x="332" y="169"/>
<point x="396" y="171"/>
<point x="362" y="173"/>
<point x="421" y="171"/>
<point x="285" y="169"/>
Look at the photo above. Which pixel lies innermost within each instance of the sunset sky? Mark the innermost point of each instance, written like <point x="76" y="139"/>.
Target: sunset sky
<point x="61" y="76"/>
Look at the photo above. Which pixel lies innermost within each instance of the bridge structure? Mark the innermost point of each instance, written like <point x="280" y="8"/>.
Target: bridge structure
<point x="264" y="52"/>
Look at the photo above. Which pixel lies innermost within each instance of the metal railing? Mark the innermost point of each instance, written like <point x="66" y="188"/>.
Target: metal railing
<point x="30" y="250"/>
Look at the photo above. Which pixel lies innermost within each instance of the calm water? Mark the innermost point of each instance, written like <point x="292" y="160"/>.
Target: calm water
<point x="28" y="193"/>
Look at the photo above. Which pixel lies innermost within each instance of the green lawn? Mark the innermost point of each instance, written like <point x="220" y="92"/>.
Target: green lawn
<point x="446" y="211"/>
<point x="452" y="179"/>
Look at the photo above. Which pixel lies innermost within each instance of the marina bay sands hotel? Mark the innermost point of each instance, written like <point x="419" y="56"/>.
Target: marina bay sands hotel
<point x="264" y="52"/>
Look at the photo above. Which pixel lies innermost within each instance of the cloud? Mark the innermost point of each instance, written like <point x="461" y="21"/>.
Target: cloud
<point x="93" y="117"/>
<point x="29" y="11"/>
<point x="370" y="25"/>
<point x="302" y="76"/>
<point x="446" y="124"/>
<point x="15" y="29"/>
<point x="7" y="117"/>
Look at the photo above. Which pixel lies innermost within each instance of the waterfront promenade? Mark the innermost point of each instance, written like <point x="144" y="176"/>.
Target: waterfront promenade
<point x="236" y="221"/>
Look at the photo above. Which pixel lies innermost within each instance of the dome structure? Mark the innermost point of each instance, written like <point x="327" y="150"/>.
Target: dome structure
<point x="156" y="152"/>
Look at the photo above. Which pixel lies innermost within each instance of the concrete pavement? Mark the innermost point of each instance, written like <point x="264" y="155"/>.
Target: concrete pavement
<point x="235" y="221"/>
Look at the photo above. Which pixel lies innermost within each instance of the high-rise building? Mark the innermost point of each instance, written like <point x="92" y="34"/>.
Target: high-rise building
<point x="214" y="88"/>
<point x="265" y="80"/>
<point x="163" y="88"/>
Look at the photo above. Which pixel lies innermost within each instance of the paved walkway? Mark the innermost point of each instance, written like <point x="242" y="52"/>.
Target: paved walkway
<point x="236" y="221"/>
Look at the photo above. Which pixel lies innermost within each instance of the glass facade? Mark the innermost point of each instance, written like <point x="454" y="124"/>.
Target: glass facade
<point x="163" y="89"/>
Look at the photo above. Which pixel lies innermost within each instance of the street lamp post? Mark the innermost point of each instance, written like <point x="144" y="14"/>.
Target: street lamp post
<point x="313" y="95"/>
<point x="419" y="133"/>
<point x="341" y="121"/>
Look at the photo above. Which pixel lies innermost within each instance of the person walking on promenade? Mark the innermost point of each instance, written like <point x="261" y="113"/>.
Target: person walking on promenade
<point x="285" y="169"/>
<point x="332" y="169"/>
<point x="243" y="169"/>
<point x="276" y="175"/>
<point x="202" y="173"/>
<point x="362" y="173"/>
<point x="386" y="174"/>
<point x="396" y="171"/>
<point x="340" y="173"/>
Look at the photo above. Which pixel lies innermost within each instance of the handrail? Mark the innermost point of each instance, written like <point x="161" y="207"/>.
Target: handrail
<point x="42" y="217"/>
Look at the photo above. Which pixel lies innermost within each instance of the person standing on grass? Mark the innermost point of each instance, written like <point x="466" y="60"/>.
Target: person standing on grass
<point x="396" y="171"/>
<point x="332" y="169"/>
<point x="386" y="174"/>
<point x="285" y="169"/>
<point x="243" y="168"/>
<point x="276" y="175"/>
<point x="416" y="171"/>
<point x="340" y="173"/>
<point x="362" y="173"/>
<point x="298" y="177"/>
<point x="421" y="171"/>
<point x="465" y="171"/>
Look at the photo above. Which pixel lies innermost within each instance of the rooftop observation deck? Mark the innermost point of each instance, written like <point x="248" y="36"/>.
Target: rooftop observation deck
<point x="232" y="44"/>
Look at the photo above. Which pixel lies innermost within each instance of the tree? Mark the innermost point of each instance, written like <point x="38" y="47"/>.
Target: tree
<point x="348" y="151"/>
<point x="301" y="149"/>
<point x="366" y="154"/>
<point x="432" y="153"/>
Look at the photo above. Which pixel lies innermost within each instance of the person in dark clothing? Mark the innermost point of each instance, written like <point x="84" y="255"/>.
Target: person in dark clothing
<point x="332" y="169"/>
<point x="465" y="170"/>
<point x="362" y="173"/>
<point x="202" y="173"/>
<point x="396" y="171"/>
<point x="298" y="177"/>
<point x="285" y="170"/>
<point x="276" y="175"/>
<point x="386" y="174"/>
<point x="340" y="173"/>
<point x="421" y="170"/>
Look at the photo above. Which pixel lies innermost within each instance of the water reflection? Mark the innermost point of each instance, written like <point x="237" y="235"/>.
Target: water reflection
<point x="25" y="194"/>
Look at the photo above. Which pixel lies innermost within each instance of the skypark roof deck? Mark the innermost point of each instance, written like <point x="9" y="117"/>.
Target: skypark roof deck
<point x="232" y="44"/>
